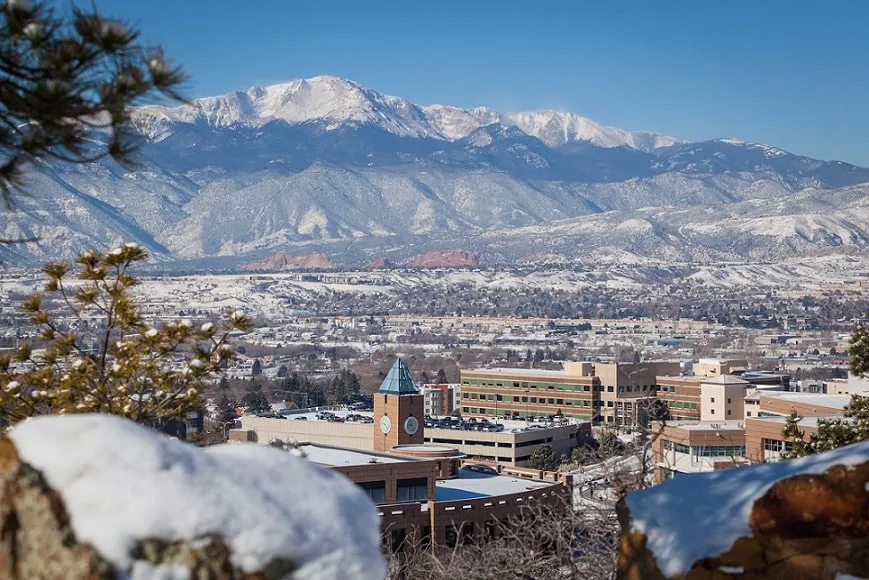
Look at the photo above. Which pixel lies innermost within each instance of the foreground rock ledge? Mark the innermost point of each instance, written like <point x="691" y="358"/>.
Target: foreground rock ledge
<point x="96" y="497"/>
<point x="806" y="518"/>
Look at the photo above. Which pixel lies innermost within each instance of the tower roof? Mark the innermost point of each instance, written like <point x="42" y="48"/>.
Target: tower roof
<point x="398" y="381"/>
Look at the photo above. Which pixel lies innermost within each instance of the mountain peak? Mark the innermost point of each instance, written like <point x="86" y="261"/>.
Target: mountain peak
<point x="335" y="101"/>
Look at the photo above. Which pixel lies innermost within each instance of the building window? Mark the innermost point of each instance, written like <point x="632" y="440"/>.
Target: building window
<point x="719" y="451"/>
<point x="585" y="387"/>
<point x="711" y="411"/>
<point x="376" y="490"/>
<point x="712" y="399"/>
<point x="728" y="399"/>
<point x="609" y="389"/>
<point x="415" y="489"/>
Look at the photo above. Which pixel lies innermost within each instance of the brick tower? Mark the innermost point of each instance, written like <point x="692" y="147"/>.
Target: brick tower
<point x="398" y="410"/>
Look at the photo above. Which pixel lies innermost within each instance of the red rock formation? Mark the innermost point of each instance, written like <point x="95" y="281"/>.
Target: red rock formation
<point x="379" y="264"/>
<point x="446" y="259"/>
<point x="282" y="261"/>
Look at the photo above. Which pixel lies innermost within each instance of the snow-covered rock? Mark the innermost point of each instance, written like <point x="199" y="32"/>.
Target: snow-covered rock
<point x="151" y="506"/>
<point x="805" y="518"/>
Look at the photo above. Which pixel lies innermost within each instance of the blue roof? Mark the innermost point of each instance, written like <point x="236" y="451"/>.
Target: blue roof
<point x="398" y="381"/>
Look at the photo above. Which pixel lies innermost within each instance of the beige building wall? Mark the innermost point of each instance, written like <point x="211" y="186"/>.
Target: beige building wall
<point x="509" y="448"/>
<point x="714" y="367"/>
<point x="721" y="402"/>
<point x="351" y="435"/>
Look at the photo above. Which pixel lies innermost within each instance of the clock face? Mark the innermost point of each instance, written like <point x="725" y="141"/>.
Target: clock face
<point x="385" y="424"/>
<point x="411" y="425"/>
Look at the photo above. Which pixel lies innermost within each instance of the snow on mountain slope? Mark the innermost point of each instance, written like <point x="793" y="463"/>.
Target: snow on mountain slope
<point x="336" y="100"/>
<point x="326" y="98"/>
<point x="558" y="128"/>
<point x="457" y="123"/>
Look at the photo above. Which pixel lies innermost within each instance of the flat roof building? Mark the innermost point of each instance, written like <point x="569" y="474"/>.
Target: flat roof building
<point x="425" y="493"/>
<point x="697" y="447"/>
<point x="602" y="393"/>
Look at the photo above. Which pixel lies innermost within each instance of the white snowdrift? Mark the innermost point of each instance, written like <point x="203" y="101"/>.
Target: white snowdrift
<point x="701" y="515"/>
<point x="121" y="483"/>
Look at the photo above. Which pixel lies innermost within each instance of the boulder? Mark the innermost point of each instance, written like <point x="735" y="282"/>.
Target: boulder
<point x="91" y="496"/>
<point x="805" y="518"/>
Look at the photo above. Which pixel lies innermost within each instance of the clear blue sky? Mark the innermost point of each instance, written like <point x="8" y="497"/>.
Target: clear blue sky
<point x="790" y="73"/>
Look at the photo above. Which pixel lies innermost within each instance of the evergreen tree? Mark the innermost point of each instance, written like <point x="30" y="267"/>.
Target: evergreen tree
<point x="609" y="445"/>
<point x="854" y="426"/>
<point x="423" y="378"/>
<point x="127" y="373"/>
<point x="859" y="351"/>
<point x="254" y="400"/>
<point x="223" y="385"/>
<point x="544" y="457"/>
<point x="225" y="410"/>
<point x="441" y="378"/>
<point x="794" y="437"/>
<point x="65" y="77"/>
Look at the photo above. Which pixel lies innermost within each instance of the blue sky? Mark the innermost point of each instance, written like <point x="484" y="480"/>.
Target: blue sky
<point x="789" y="73"/>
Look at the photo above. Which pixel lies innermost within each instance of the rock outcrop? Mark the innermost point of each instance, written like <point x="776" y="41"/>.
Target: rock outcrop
<point x="282" y="261"/>
<point x="805" y="518"/>
<point x="379" y="264"/>
<point x="96" y="497"/>
<point x="446" y="259"/>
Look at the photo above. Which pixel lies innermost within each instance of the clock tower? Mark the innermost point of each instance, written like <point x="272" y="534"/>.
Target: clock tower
<point x="398" y="410"/>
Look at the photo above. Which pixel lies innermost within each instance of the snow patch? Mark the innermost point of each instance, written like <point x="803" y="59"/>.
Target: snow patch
<point x="122" y="483"/>
<point x="701" y="515"/>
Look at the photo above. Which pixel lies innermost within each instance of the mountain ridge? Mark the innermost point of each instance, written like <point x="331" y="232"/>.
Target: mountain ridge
<point x="317" y="164"/>
<point x="336" y="100"/>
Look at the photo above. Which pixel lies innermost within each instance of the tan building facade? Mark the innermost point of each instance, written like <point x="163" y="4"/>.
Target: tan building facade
<point x="603" y="393"/>
<point x="764" y="439"/>
<point x="697" y="447"/>
<point x="681" y="395"/>
<point x="722" y="398"/>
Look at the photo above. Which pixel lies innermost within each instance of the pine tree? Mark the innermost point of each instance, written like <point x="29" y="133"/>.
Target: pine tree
<point x="225" y="410"/>
<point x="441" y="378"/>
<point x="859" y="351"/>
<point x="544" y="457"/>
<point x="97" y="355"/>
<point x="254" y="400"/>
<point x="854" y="426"/>
<point x="68" y="79"/>
<point x="795" y="439"/>
<point x="609" y="445"/>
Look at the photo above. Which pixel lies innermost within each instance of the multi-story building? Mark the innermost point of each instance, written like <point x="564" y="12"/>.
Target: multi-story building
<point x="511" y="446"/>
<point x="695" y="398"/>
<point x="681" y="395"/>
<point x="782" y="404"/>
<point x="608" y="393"/>
<point x="697" y="447"/>
<point x="709" y="367"/>
<point x="424" y="493"/>
<point x="441" y="399"/>
<point x="765" y="440"/>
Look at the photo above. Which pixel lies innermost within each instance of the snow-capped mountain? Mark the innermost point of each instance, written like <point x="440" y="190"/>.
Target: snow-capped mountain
<point x="327" y="165"/>
<point x="557" y="128"/>
<point x="334" y="101"/>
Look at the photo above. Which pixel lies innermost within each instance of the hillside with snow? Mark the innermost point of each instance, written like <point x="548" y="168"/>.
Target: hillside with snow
<point x="325" y="165"/>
